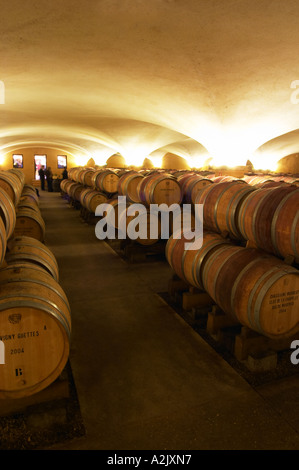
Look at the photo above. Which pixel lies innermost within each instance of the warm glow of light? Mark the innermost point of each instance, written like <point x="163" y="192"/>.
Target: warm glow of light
<point x="197" y="161"/>
<point x="134" y="157"/>
<point x="156" y="161"/>
<point x="81" y="160"/>
<point x="100" y="158"/>
<point x="2" y="159"/>
<point x="233" y="145"/>
<point x="264" y="161"/>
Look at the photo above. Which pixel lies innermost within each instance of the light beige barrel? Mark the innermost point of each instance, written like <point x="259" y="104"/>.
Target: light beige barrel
<point x="105" y="181"/>
<point x="29" y="223"/>
<point x="29" y="250"/>
<point x="64" y="185"/>
<point x="11" y="184"/>
<point x="7" y="213"/>
<point x="29" y="192"/>
<point x="128" y="185"/>
<point x="159" y="188"/>
<point x="93" y="198"/>
<point x="3" y="242"/>
<point x="35" y="326"/>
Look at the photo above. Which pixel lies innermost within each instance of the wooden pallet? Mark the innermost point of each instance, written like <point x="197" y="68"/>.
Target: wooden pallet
<point x="257" y="352"/>
<point x="195" y="302"/>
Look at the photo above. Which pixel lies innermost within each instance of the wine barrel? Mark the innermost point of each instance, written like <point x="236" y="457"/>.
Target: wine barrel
<point x="105" y="181"/>
<point x="11" y="184"/>
<point x="74" y="190"/>
<point x="113" y="215"/>
<point x="191" y="185"/>
<point x="93" y="199"/>
<point x="29" y="192"/>
<point x="188" y="264"/>
<point x="73" y="174"/>
<point x="271" y="184"/>
<point x="3" y="242"/>
<point x="221" y="205"/>
<point x="29" y="250"/>
<point x="64" y="185"/>
<point x="257" y="289"/>
<point x="35" y="325"/>
<point x="285" y="226"/>
<point x="29" y="204"/>
<point x="159" y="188"/>
<point x="128" y="185"/>
<point x="29" y="223"/>
<point x="262" y="213"/>
<point x="86" y="176"/>
<point x="83" y="194"/>
<point x="223" y="179"/>
<point x="19" y="173"/>
<point x="7" y="213"/>
<point x="146" y="227"/>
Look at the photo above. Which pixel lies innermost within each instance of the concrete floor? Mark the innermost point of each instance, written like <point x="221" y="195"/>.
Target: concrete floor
<point x="145" y="380"/>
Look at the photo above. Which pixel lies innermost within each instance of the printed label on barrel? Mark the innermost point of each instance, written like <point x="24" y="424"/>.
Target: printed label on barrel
<point x="34" y="346"/>
<point x="283" y="300"/>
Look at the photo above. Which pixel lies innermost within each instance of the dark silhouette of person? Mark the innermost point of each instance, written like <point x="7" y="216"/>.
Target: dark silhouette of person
<point x="49" y="176"/>
<point x="64" y="174"/>
<point x="41" y="173"/>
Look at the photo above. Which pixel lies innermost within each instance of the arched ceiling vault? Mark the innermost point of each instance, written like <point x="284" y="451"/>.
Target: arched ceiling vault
<point x="138" y="77"/>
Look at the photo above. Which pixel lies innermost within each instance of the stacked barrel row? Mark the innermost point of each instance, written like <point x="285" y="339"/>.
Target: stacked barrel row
<point x="253" y="285"/>
<point x="92" y="187"/>
<point x="35" y="320"/>
<point x="11" y="186"/>
<point x="260" y="291"/>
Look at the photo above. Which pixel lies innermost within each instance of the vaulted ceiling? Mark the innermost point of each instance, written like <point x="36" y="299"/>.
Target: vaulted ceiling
<point x="200" y="78"/>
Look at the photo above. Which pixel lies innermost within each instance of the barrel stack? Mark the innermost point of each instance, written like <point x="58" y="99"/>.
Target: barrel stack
<point x="35" y="315"/>
<point x="87" y="188"/>
<point x="248" y="262"/>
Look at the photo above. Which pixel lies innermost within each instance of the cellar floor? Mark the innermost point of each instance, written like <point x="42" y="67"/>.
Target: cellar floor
<point x="143" y="377"/>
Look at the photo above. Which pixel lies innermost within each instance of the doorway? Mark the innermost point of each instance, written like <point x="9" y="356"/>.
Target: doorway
<point x="39" y="161"/>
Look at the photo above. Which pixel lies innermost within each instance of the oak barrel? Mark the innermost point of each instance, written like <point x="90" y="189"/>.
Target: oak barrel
<point x="143" y="223"/>
<point x="29" y="250"/>
<point x="159" y="188"/>
<point x="188" y="264"/>
<point x="7" y="213"/>
<point x="191" y="185"/>
<point x="221" y="205"/>
<point x="29" y="223"/>
<point x="92" y="199"/>
<point x="269" y="218"/>
<point x="259" y="290"/>
<point x="105" y="180"/>
<point x="11" y="184"/>
<point x="3" y="241"/>
<point x="35" y="326"/>
<point x="128" y="185"/>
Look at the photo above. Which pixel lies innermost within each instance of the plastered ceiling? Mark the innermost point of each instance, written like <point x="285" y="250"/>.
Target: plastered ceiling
<point x="200" y="78"/>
